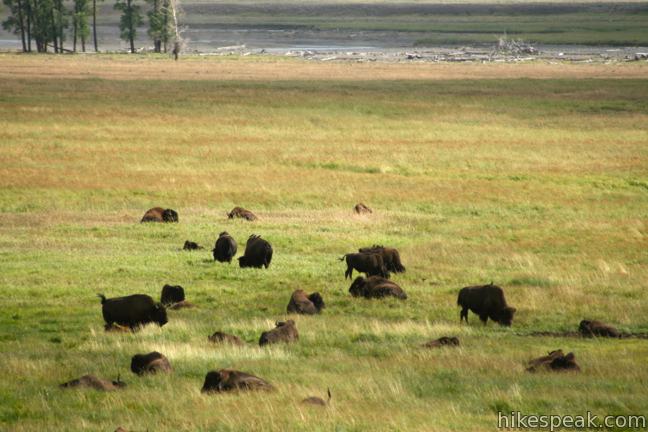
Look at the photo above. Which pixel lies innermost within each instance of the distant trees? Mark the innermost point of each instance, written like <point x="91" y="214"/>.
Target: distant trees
<point x="131" y="18"/>
<point x="81" y="30"/>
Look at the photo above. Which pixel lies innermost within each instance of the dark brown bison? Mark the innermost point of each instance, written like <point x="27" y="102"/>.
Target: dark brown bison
<point x="150" y="363"/>
<point x="376" y="287"/>
<point x="158" y="214"/>
<point x="368" y="263"/>
<point x="132" y="311"/>
<point x="487" y="301"/>
<point x="91" y="381"/>
<point x="362" y="209"/>
<point x="390" y="257"/>
<point x="302" y="303"/>
<point x="189" y="245"/>
<point x="230" y="380"/>
<point x="172" y="294"/>
<point x="596" y="328"/>
<point x="441" y="342"/>
<point x="240" y="212"/>
<point x="283" y="332"/>
<point x="556" y="361"/>
<point x="315" y="400"/>
<point x="258" y="253"/>
<point x="220" y="337"/>
<point x="225" y="248"/>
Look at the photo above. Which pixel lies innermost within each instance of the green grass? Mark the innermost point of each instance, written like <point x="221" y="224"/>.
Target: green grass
<point x="537" y="185"/>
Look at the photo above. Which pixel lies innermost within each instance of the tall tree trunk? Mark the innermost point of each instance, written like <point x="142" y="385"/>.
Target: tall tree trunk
<point x="132" y="29"/>
<point x="74" y="38"/>
<point x="83" y="43"/>
<point x="59" y="5"/>
<point x="29" y="25"/>
<point x="94" y="24"/>
<point x="54" y="32"/>
<point x="21" y="21"/>
<point x="165" y="32"/>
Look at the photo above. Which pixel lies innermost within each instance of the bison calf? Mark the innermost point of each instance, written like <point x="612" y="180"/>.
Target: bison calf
<point x="596" y="328"/>
<point x="132" y="311"/>
<point x="189" y="245"/>
<point x="315" y="400"/>
<point x="229" y="380"/>
<point x="240" y="212"/>
<point x="152" y="362"/>
<point x="158" y="214"/>
<point x="91" y="381"/>
<point x="371" y="264"/>
<point x="258" y="253"/>
<point x="283" y="332"/>
<point x="442" y="341"/>
<point x="376" y="287"/>
<point x="220" y="337"/>
<point x="487" y="301"/>
<point x="302" y="303"/>
<point x="225" y="248"/>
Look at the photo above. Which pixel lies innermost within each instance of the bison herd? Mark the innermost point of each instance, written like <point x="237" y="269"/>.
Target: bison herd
<point x="377" y="262"/>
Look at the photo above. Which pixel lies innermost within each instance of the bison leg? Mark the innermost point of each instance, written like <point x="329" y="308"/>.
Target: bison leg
<point x="348" y="274"/>
<point x="483" y="318"/>
<point x="463" y="315"/>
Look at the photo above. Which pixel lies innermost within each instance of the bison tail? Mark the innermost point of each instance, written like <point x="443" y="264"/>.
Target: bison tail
<point x="343" y="256"/>
<point x="102" y="297"/>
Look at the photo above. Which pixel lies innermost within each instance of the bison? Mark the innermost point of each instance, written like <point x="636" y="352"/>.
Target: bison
<point x="302" y="303"/>
<point x="362" y="209"/>
<point x="158" y="214"/>
<point x="441" y="342"/>
<point x="390" y="257"/>
<point x="240" y="212"/>
<point x="152" y="362"/>
<point x="220" y="337"/>
<point x="258" y="253"/>
<point x="315" y="400"/>
<point x="487" y="301"/>
<point x="369" y="263"/>
<point x="596" y="328"/>
<point x="132" y="311"/>
<point x="376" y="287"/>
<point x="230" y="380"/>
<point x="283" y="332"/>
<point x="556" y="361"/>
<point x="225" y="248"/>
<point x="189" y="245"/>
<point x="173" y="297"/>
<point x="91" y="381"/>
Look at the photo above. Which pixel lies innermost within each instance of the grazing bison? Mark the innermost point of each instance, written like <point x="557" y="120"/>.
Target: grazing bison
<point x="132" y="311"/>
<point x="369" y="263"/>
<point x="390" y="257"/>
<point x="362" y="209"/>
<point x="596" y="328"/>
<point x="240" y="212"/>
<point x="220" y="337"/>
<point x="375" y="287"/>
<point x="189" y="245"/>
<point x="441" y="342"/>
<point x="315" y="400"/>
<point x="229" y="380"/>
<point x="158" y="214"/>
<point x="91" y="381"/>
<point x="152" y="362"/>
<point x="305" y="304"/>
<point x="487" y="301"/>
<point x="283" y="332"/>
<point x="258" y="253"/>
<point x="556" y="361"/>
<point x="225" y="248"/>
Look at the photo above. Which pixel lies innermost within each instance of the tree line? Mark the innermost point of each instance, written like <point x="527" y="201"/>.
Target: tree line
<point x="47" y="24"/>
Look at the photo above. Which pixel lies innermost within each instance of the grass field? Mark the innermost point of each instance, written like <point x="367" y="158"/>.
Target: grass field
<point x="540" y="185"/>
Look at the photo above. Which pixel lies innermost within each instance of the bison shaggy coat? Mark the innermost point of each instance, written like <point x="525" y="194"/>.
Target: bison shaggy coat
<point x="371" y="264"/>
<point x="132" y="311"/>
<point x="441" y="342"/>
<point x="361" y="209"/>
<point x="172" y="294"/>
<point x="316" y="400"/>
<point x="556" y="361"/>
<point x="232" y="380"/>
<point x="487" y="301"/>
<point x="390" y="257"/>
<point x="91" y="381"/>
<point x="285" y="332"/>
<point x="225" y="248"/>
<point x="596" y="328"/>
<point x="376" y="287"/>
<point x="158" y="214"/>
<point x="240" y="212"/>
<point x="189" y="245"/>
<point x="258" y="253"/>
<point x="150" y="363"/>
<point x="302" y="303"/>
<point x="220" y="337"/>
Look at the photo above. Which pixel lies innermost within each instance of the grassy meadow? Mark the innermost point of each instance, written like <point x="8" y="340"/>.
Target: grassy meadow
<point x="540" y="185"/>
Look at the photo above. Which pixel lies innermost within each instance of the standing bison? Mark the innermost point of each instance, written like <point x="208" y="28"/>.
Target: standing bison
<point x="132" y="311"/>
<point x="487" y="301"/>
<point x="240" y="212"/>
<point x="158" y="214"/>
<point x="283" y="332"/>
<point x="258" y="253"/>
<point x="371" y="264"/>
<point x="390" y="257"/>
<point x="225" y="248"/>
<point x="302" y="303"/>
<point x="150" y="363"/>
<point x="376" y="287"/>
<point x="231" y="380"/>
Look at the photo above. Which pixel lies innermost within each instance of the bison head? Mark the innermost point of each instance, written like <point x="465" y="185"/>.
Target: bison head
<point x="505" y="317"/>
<point x="357" y="286"/>
<point x="159" y="314"/>
<point x="317" y="301"/>
<point x="585" y="327"/>
<point x="224" y="233"/>
<point x="169" y="215"/>
<point x="243" y="262"/>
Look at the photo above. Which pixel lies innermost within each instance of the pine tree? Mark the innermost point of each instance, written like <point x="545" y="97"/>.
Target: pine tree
<point x="131" y="18"/>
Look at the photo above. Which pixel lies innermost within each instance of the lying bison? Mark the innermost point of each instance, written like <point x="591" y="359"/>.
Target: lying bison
<point x="487" y="301"/>
<point x="132" y="311"/>
<point x="441" y="342"/>
<point x="172" y="294"/>
<point x="390" y="257"/>
<point x="230" y="380"/>
<point x="376" y="287"/>
<point x="225" y="248"/>
<point x="302" y="303"/>
<point x="240" y="212"/>
<point x="596" y="328"/>
<point x="362" y="209"/>
<point x="556" y="361"/>
<point x="369" y="263"/>
<point x="158" y="214"/>
<point x="189" y="245"/>
<point x="316" y="400"/>
<point x="283" y="332"/>
<point x="150" y="363"/>
<point x="220" y="338"/>
<point x="91" y="381"/>
<point x="258" y="253"/>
